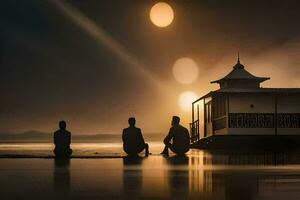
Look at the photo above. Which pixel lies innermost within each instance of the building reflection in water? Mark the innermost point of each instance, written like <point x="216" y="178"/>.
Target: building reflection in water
<point x="213" y="175"/>
<point x="200" y="179"/>
<point x="243" y="175"/>
<point x="62" y="177"/>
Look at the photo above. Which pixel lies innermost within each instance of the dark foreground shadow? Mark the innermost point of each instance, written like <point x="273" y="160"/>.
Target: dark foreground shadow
<point x="132" y="176"/>
<point x="177" y="160"/>
<point x="133" y="160"/>
<point x="62" y="178"/>
<point x="178" y="176"/>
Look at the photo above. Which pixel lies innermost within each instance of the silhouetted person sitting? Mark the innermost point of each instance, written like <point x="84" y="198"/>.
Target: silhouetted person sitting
<point x="62" y="141"/>
<point x="180" y="138"/>
<point x="133" y="141"/>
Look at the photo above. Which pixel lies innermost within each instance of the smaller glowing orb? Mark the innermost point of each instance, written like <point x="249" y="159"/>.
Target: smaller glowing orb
<point x="185" y="70"/>
<point x="186" y="99"/>
<point x="161" y="14"/>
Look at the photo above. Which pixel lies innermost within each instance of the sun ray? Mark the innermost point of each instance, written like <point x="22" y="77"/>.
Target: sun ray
<point x="103" y="38"/>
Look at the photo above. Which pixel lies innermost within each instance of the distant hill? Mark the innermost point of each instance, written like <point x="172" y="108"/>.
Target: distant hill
<point x="33" y="134"/>
<point x="29" y="136"/>
<point x="39" y="136"/>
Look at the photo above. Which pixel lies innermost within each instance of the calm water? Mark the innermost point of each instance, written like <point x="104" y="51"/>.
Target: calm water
<point x="199" y="175"/>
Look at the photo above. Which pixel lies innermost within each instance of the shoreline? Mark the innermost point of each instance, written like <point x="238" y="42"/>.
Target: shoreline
<point x="53" y="157"/>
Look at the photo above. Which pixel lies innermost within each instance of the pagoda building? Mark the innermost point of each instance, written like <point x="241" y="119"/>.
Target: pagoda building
<point x="242" y="113"/>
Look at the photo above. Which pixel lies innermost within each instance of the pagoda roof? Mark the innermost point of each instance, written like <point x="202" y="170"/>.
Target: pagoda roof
<point x="240" y="73"/>
<point x="259" y="90"/>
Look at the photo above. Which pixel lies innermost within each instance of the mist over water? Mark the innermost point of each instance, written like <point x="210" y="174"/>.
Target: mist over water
<point x="80" y="149"/>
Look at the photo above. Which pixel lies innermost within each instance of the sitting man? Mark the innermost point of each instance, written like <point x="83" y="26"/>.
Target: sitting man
<point x="62" y="141"/>
<point x="133" y="141"/>
<point x="180" y="136"/>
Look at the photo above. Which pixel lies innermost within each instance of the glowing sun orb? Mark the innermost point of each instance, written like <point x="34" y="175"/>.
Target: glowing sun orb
<point x="161" y="14"/>
<point x="185" y="70"/>
<point x="186" y="99"/>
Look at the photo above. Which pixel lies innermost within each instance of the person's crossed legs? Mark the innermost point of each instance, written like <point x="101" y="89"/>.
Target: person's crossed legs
<point x="166" y="149"/>
<point x="145" y="147"/>
<point x="174" y="149"/>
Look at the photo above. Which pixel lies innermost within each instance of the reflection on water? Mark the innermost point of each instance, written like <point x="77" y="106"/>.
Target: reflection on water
<point x="178" y="179"/>
<point x="62" y="178"/>
<point x="218" y="175"/>
<point x="244" y="175"/>
<point x="132" y="178"/>
<point x="199" y="175"/>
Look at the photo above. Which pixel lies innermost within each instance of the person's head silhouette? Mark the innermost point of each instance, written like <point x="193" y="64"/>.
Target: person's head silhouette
<point x="175" y="120"/>
<point x="62" y="125"/>
<point x="131" y="121"/>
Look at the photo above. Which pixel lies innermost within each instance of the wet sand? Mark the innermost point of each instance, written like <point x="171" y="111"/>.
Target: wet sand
<point x="199" y="175"/>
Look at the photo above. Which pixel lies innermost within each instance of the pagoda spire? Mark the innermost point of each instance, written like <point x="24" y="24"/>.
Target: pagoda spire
<point x="239" y="77"/>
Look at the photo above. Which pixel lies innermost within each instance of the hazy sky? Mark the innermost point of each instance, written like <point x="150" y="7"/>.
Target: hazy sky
<point x="55" y="65"/>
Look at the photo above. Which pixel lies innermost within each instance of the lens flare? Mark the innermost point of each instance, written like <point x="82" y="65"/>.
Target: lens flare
<point x="186" y="99"/>
<point x="161" y="14"/>
<point x="104" y="38"/>
<point x="185" y="70"/>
